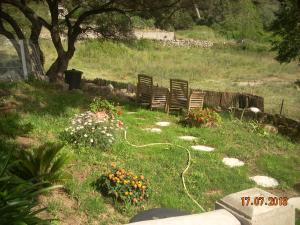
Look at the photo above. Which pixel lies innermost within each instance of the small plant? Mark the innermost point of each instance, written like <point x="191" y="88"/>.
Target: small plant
<point x="256" y="127"/>
<point x="18" y="199"/>
<point x="202" y="117"/>
<point x="124" y="186"/>
<point x="42" y="164"/>
<point x="93" y="129"/>
<point x="99" y="104"/>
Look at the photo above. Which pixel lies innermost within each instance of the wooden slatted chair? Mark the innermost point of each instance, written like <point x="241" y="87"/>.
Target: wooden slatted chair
<point x="196" y="99"/>
<point x="159" y="98"/>
<point x="178" y="98"/>
<point x="144" y="89"/>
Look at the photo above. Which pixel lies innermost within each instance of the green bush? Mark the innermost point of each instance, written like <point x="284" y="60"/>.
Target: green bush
<point x="42" y="164"/>
<point x="202" y="117"/>
<point x="93" y="129"/>
<point x="99" y="104"/>
<point x="18" y="200"/>
<point x="141" y="23"/>
<point x="124" y="186"/>
<point x="179" y="20"/>
<point x="241" y="22"/>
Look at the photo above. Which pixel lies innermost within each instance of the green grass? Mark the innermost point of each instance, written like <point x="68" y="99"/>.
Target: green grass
<point x="207" y="179"/>
<point x="218" y="68"/>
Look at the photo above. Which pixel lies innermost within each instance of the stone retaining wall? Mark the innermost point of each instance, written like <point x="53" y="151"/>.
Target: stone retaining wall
<point x="285" y="126"/>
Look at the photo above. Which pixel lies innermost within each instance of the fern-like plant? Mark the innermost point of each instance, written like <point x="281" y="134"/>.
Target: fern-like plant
<point x="18" y="199"/>
<point x="42" y="164"/>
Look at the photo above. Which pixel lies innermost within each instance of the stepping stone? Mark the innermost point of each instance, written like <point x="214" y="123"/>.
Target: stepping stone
<point x="265" y="181"/>
<point x="153" y="130"/>
<point x="188" y="138"/>
<point x="202" y="148"/>
<point x="232" y="162"/>
<point x="130" y="113"/>
<point x="163" y="124"/>
<point x="254" y="109"/>
<point x="295" y="202"/>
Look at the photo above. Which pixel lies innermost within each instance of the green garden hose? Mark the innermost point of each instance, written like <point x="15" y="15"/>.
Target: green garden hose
<point x="184" y="171"/>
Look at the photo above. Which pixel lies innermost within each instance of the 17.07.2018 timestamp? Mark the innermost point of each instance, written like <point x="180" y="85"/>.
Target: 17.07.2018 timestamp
<point x="260" y="201"/>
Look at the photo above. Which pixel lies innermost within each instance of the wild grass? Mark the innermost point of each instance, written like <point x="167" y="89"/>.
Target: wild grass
<point x="208" y="179"/>
<point x="218" y="68"/>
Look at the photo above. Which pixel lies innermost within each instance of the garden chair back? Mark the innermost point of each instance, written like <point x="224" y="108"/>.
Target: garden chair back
<point x="159" y="97"/>
<point x="196" y="99"/>
<point x="178" y="98"/>
<point x="144" y="89"/>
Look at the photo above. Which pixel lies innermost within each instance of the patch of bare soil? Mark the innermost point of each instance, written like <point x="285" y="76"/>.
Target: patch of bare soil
<point x="26" y="142"/>
<point x="213" y="192"/>
<point x="69" y="214"/>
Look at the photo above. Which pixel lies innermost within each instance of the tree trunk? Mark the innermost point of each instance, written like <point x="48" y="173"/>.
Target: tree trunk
<point x="58" y="68"/>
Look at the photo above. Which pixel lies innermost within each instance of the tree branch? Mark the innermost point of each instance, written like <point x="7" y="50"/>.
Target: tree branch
<point x="28" y="12"/>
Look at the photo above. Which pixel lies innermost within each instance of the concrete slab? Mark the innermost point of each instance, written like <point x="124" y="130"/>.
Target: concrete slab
<point x="265" y="181"/>
<point x="252" y="214"/>
<point x="188" y="138"/>
<point x="202" y="148"/>
<point x="295" y="202"/>
<point x="217" y="217"/>
<point x="153" y="130"/>
<point x="163" y="124"/>
<point x="232" y="162"/>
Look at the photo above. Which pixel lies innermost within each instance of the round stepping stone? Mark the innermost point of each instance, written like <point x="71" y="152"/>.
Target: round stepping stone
<point x="188" y="138"/>
<point x="265" y="181"/>
<point x="163" y="124"/>
<point x="130" y="113"/>
<point x="202" y="148"/>
<point x="295" y="202"/>
<point x="232" y="162"/>
<point x="153" y="130"/>
<point x="254" y="109"/>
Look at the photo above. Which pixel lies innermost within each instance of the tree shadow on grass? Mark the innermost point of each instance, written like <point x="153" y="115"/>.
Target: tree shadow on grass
<point x="43" y="98"/>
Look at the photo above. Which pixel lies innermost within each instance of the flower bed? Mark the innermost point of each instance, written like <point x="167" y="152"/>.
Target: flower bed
<point x="93" y="129"/>
<point x="124" y="186"/>
<point x="202" y="117"/>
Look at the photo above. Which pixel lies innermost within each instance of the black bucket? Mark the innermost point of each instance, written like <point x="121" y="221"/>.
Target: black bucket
<point x="73" y="78"/>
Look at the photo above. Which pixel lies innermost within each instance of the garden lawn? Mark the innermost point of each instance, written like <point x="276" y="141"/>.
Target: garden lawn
<point x="49" y="111"/>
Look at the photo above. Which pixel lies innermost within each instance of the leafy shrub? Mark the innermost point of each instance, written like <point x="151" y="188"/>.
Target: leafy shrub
<point x="141" y="23"/>
<point x="202" y="117"/>
<point x="99" y="104"/>
<point x="124" y="186"/>
<point x="18" y="200"/>
<point x="93" y="129"/>
<point x="179" y="20"/>
<point x="42" y="164"/>
<point x="242" y="21"/>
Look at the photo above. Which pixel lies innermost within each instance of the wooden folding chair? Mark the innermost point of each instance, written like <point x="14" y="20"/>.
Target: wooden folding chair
<point x="196" y="99"/>
<point x="159" y="98"/>
<point x="144" y="89"/>
<point x="178" y="98"/>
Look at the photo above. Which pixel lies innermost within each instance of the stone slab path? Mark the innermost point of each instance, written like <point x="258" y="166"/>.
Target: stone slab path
<point x="163" y="124"/>
<point x="202" y="148"/>
<point x="265" y="181"/>
<point x="188" y="138"/>
<point x="232" y="162"/>
<point x="153" y="130"/>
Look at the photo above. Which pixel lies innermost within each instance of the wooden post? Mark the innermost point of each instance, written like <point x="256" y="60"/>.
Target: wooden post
<point x="281" y="107"/>
<point x="23" y="58"/>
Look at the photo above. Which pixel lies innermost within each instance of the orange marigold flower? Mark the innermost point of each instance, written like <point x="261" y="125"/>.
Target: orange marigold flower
<point x="142" y="177"/>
